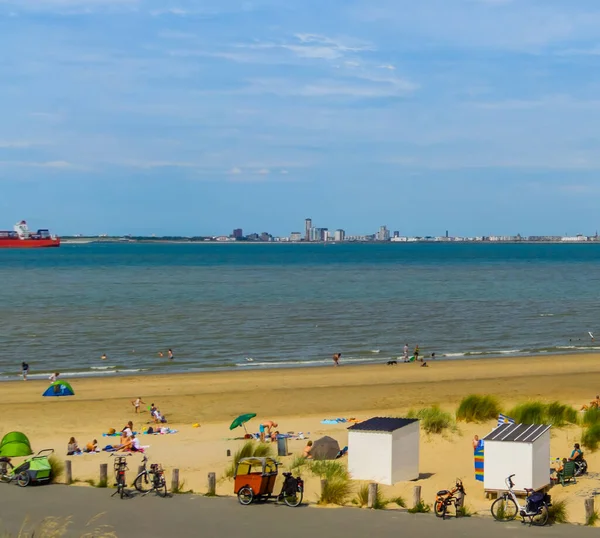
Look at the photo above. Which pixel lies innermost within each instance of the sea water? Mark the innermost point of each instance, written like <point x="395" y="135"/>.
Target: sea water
<point x="239" y="306"/>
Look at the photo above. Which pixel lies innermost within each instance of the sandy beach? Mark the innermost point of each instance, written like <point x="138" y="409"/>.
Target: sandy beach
<point x="298" y="399"/>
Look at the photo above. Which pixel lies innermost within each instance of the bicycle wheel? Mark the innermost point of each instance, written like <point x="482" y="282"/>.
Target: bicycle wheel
<point x="504" y="509"/>
<point x="121" y="486"/>
<point x="439" y="508"/>
<point x="541" y="518"/>
<point x="141" y="483"/>
<point x="6" y="468"/>
<point x="293" y="500"/>
<point x="161" y="486"/>
<point x="245" y="495"/>
<point x="23" y="479"/>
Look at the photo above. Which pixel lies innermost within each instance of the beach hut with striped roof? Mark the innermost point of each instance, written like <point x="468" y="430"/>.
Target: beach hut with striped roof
<point x="522" y="450"/>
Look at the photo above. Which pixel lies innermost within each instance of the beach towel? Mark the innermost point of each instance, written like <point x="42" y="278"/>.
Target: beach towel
<point x="337" y="420"/>
<point x="478" y="455"/>
<point x="503" y="419"/>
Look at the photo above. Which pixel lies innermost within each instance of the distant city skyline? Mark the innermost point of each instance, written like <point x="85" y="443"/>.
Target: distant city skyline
<point x="132" y="116"/>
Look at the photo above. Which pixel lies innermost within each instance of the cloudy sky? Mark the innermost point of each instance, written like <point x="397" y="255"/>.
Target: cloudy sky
<point x="195" y="117"/>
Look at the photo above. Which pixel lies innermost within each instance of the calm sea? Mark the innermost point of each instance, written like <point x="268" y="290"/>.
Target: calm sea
<point x="249" y="305"/>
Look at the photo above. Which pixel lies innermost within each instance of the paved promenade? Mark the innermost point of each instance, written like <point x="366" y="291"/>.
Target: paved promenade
<point x="192" y="516"/>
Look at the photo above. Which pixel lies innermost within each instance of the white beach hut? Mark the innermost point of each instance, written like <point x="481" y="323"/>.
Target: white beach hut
<point x="519" y="449"/>
<point x="385" y="450"/>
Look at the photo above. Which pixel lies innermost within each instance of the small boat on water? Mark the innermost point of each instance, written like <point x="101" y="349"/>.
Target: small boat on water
<point x="22" y="237"/>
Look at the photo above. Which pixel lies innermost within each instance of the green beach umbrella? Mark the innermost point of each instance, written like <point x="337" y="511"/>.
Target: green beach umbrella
<point x="241" y="421"/>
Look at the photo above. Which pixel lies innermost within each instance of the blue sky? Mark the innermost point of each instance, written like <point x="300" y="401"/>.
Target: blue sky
<point x="195" y="117"/>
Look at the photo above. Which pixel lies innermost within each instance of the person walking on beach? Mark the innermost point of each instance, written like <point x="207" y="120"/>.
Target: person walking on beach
<point x="336" y="359"/>
<point x="25" y="368"/>
<point x="170" y="352"/>
<point x="405" y="352"/>
<point x="416" y="353"/>
<point x="54" y="377"/>
<point x="136" y="403"/>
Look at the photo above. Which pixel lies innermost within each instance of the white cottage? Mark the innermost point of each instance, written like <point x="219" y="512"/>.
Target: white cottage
<point x="384" y="450"/>
<point x="519" y="449"/>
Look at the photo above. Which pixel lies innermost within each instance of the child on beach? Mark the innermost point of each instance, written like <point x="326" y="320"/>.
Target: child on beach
<point x="336" y="359"/>
<point x="54" y="377"/>
<point x="136" y="403"/>
<point x="25" y="368"/>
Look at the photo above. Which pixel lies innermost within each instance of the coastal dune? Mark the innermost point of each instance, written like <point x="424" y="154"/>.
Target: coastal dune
<point x="298" y="399"/>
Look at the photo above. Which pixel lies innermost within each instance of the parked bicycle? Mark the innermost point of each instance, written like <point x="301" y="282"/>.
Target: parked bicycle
<point x="446" y="498"/>
<point x="507" y="507"/>
<point x="120" y="467"/>
<point x="152" y="479"/>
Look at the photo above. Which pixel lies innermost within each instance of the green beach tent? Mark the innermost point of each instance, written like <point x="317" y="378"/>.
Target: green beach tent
<point x="14" y="445"/>
<point x="59" y="388"/>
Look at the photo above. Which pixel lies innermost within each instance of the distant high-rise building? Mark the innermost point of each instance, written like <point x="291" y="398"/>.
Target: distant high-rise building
<point x="339" y="235"/>
<point x="307" y="228"/>
<point x="383" y="234"/>
<point x="238" y="233"/>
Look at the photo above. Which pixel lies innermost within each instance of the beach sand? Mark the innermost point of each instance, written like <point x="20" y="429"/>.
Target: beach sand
<point x="298" y="399"/>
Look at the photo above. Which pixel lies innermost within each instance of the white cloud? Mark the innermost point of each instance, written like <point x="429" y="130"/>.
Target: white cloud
<point x="160" y="164"/>
<point x="387" y="66"/>
<point x="16" y="144"/>
<point x="48" y="164"/>
<point x="264" y="171"/>
<point x="235" y="171"/>
<point x="284" y="172"/>
<point x="169" y="11"/>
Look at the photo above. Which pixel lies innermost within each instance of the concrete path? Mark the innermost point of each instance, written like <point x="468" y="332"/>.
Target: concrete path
<point x="184" y="516"/>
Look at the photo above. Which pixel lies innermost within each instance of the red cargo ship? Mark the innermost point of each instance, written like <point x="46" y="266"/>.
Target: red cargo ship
<point x="22" y="237"/>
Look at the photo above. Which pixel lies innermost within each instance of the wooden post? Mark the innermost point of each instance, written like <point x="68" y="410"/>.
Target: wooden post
<point x="323" y="486"/>
<point x="175" y="481"/>
<point x="104" y="474"/>
<point x="228" y="452"/>
<point x="416" y="496"/>
<point x="68" y="472"/>
<point x="372" y="495"/>
<point x="589" y="508"/>
<point x="212" y="485"/>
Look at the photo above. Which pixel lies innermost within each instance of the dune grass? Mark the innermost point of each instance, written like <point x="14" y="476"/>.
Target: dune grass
<point x="249" y="449"/>
<point x="298" y="465"/>
<point x="421" y="508"/>
<point x="558" y="513"/>
<point x="336" y="491"/>
<point x="336" y="488"/>
<point x="329" y="470"/>
<point x="434" y="420"/>
<point x="362" y="498"/>
<point x="57" y="467"/>
<point x="593" y="519"/>
<point x="464" y="511"/>
<point x="555" y="413"/>
<point x="478" y="408"/>
<point x="591" y="437"/>
<point x="559" y="414"/>
<point x="591" y="417"/>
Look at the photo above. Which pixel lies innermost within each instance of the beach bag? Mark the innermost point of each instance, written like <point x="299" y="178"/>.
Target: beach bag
<point x="534" y="502"/>
<point x="291" y="486"/>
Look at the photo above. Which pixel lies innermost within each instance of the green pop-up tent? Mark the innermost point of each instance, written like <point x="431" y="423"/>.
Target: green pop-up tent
<point x="14" y="445"/>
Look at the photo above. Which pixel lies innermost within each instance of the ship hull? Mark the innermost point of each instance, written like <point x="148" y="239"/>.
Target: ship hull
<point x="29" y="243"/>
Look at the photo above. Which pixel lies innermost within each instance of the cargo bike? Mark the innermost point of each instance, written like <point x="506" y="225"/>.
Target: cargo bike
<point x="255" y="481"/>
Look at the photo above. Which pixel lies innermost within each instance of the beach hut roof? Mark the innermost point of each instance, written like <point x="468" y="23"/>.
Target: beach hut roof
<point x="382" y="424"/>
<point x="518" y="433"/>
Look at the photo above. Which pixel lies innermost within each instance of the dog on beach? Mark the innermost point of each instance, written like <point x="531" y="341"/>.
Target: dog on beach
<point x="392" y="362"/>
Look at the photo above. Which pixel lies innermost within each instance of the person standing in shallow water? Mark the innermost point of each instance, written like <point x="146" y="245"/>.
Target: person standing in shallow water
<point x="170" y="353"/>
<point x="336" y="359"/>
